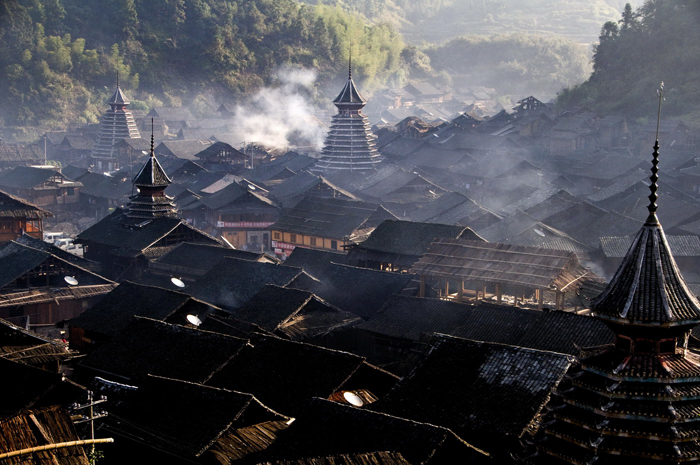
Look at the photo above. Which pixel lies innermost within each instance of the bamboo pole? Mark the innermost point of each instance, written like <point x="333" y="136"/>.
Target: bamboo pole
<point x="58" y="445"/>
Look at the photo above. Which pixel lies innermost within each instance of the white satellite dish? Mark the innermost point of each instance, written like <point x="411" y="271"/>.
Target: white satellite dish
<point x="252" y="187"/>
<point x="353" y="399"/>
<point x="177" y="281"/>
<point x="71" y="280"/>
<point x="539" y="232"/>
<point x="194" y="320"/>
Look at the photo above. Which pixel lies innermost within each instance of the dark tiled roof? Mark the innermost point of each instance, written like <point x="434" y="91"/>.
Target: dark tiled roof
<point x="370" y="458"/>
<point x="328" y="428"/>
<point x="315" y="262"/>
<point x="408" y="238"/>
<point x="285" y="375"/>
<point x="171" y="113"/>
<point x="149" y="346"/>
<point x="203" y="256"/>
<point x="184" y="418"/>
<point x="358" y="290"/>
<point x="112" y="231"/>
<point x="234" y="281"/>
<point x="349" y="94"/>
<point x="34" y="243"/>
<point x="11" y="206"/>
<point x="288" y="192"/>
<point x="648" y="288"/>
<point x="27" y="177"/>
<point x="73" y="172"/>
<point x="118" y="308"/>
<point x="118" y="97"/>
<point x="232" y="193"/>
<point x="152" y="174"/>
<point x="294" y="313"/>
<point x="412" y="317"/>
<point x="18" y="259"/>
<point x="681" y="246"/>
<point x="325" y="217"/>
<point x="484" y="392"/>
<point x="107" y="187"/>
<point x="530" y="267"/>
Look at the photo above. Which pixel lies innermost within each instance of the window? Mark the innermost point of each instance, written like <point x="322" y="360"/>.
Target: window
<point x="70" y="190"/>
<point x="33" y="226"/>
<point x="292" y="238"/>
<point x="334" y="245"/>
<point x="313" y="241"/>
<point x="276" y="236"/>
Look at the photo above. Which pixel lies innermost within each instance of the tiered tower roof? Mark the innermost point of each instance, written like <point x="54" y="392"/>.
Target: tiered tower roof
<point x="151" y="201"/>
<point x="117" y="123"/>
<point x="638" y="400"/>
<point x="350" y="143"/>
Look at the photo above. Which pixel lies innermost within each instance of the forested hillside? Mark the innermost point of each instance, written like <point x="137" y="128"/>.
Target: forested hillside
<point x="514" y="64"/>
<point x="436" y="21"/>
<point x="59" y="58"/>
<point x="657" y="42"/>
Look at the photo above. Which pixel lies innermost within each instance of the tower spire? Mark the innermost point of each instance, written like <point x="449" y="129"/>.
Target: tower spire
<point x="350" y="64"/>
<point x="153" y="152"/>
<point x="653" y="186"/>
<point x="117" y="78"/>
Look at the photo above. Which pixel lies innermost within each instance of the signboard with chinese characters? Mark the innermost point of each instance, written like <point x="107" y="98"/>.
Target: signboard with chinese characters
<point x="282" y="245"/>
<point x="242" y="224"/>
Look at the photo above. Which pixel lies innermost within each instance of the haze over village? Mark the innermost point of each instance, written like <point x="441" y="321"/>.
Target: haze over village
<point x="344" y="232"/>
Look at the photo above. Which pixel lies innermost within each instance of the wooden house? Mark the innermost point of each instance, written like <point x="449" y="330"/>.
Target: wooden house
<point x="234" y="281"/>
<point x="325" y="223"/>
<point x="41" y="186"/>
<point x="397" y="245"/>
<point x="325" y="426"/>
<point x="190" y="261"/>
<point x="361" y="291"/>
<point x="102" y="322"/>
<point x="293" y="314"/>
<point x="174" y="118"/>
<point x="44" y="288"/>
<point x="491" y="395"/>
<point x="241" y="215"/>
<point x="18" y="217"/>
<point x="525" y="273"/>
<point x="185" y="149"/>
<point x="29" y="348"/>
<point x="286" y="375"/>
<point x="29" y="387"/>
<point x="13" y="155"/>
<point x="102" y="194"/>
<point x="221" y="157"/>
<point x="150" y="347"/>
<point x="213" y="425"/>
<point x="292" y="190"/>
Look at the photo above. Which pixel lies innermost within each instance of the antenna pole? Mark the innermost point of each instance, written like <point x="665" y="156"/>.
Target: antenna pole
<point x="652" y="219"/>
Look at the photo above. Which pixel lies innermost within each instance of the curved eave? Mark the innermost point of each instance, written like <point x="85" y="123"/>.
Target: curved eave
<point x="648" y="289"/>
<point x="349" y="95"/>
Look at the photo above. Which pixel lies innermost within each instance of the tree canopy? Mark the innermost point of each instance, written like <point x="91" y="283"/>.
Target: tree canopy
<point x="59" y="58"/>
<point x="659" y="41"/>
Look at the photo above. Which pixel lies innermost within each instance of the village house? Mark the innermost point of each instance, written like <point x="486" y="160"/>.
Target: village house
<point x="18" y="217"/>
<point x="44" y="187"/>
<point x="325" y="223"/>
<point x="39" y="287"/>
<point x="397" y="245"/>
<point x="12" y="155"/>
<point x="529" y="275"/>
<point x="241" y="215"/>
<point x="124" y="240"/>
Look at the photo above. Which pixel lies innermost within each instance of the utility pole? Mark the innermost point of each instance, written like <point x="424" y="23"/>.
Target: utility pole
<point x="91" y="418"/>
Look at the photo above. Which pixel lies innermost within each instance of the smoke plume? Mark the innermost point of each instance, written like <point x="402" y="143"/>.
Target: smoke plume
<point x="279" y="116"/>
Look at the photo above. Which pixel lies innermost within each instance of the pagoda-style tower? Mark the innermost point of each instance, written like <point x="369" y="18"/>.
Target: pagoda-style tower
<point x="151" y="201"/>
<point x="117" y="123"/>
<point x="350" y="143"/>
<point x="636" y="401"/>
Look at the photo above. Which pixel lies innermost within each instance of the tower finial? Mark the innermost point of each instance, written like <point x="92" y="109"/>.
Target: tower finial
<point x="117" y="78"/>
<point x="350" y="64"/>
<point x="153" y="153"/>
<point x="653" y="187"/>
